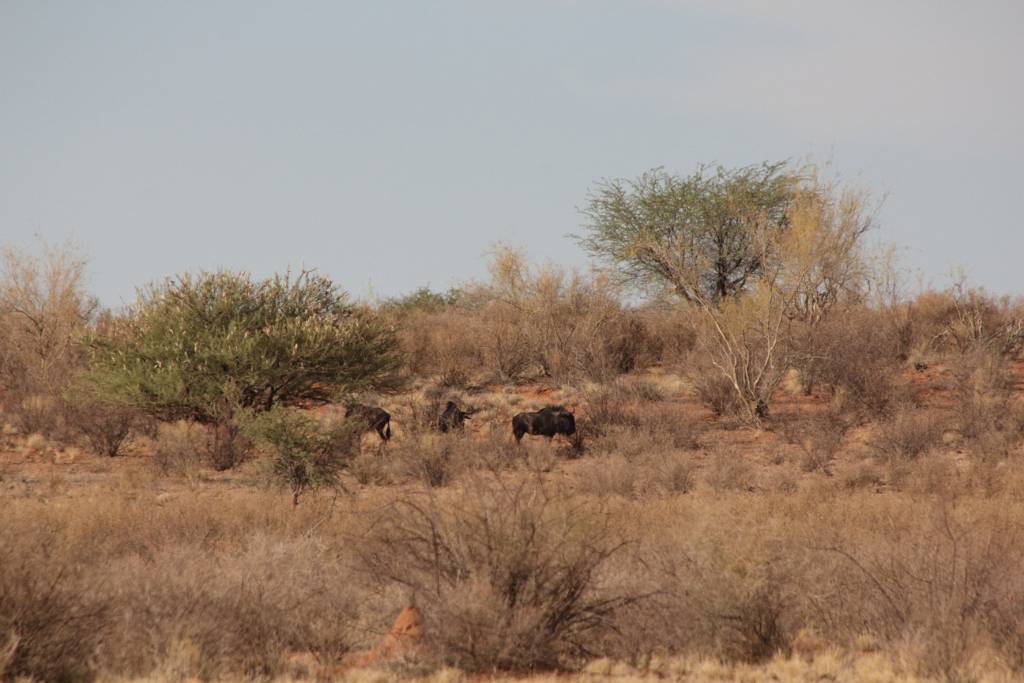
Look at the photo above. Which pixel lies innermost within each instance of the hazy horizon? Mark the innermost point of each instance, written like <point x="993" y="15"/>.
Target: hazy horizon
<point x="388" y="145"/>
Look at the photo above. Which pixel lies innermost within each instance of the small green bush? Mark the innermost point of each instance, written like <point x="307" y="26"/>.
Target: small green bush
<point x="304" y="454"/>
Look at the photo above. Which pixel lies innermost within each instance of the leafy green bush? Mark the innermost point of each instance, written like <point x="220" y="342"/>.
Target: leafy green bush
<point x="202" y="347"/>
<point x="304" y="453"/>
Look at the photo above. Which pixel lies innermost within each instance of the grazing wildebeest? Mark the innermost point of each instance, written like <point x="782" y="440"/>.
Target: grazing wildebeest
<point x="374" y="418"/>
<point x="452" y="417"/>
<point x="546" y="422"/>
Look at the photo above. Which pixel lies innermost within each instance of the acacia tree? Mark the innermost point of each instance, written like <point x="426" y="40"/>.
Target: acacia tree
<point x="202" y="347"/>
<point x="757" y="251"/>
<point x="695" y="235"/>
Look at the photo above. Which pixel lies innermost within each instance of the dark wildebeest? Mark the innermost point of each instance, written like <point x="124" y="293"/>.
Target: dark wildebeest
<point x="375" y="419"/>
<point x="452" y="417"/>
<point x="546" y="422"/>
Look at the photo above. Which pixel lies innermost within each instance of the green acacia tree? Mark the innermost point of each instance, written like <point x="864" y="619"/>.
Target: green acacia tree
<point x="203" y="347"/>
<point x="698" y="236"/>
<point x="305" y="454"/>
<point x="759" y="252"/>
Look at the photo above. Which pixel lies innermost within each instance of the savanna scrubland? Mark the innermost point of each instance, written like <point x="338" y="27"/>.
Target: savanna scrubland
<point x="788" y="465"/>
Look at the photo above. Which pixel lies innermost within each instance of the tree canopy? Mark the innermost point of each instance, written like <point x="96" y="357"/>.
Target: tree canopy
<point x="195" y="346"/>
<point x="695" y="235"/>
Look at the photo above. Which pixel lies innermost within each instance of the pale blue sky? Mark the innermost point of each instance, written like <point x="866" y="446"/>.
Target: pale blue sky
<point x="388" y="144"/>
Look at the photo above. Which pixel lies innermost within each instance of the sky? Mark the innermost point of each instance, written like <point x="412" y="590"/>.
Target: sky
<point x="390" y="145"/>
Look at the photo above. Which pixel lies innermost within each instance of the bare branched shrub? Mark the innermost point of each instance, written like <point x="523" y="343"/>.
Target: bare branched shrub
<point x="433" y="462"/>
<point x="48" y="611"/>
<point x="442" y="344"/>
<point x="240" y="614"/>
<point x="180" y="448"/>
<point x="819" y="437"/>
<point x="942" y="581"/>
<point x="855" y="357"/>
<point x="509" y="578"/>
<point x="728" y="471"/>
<point x="748" y="343"/>
<point x="976" y="321"/>
<point x="672" y="333"/>
<point x="621" y="421"/>
<point x="715" y="392"/>
<point x="104" y="426"/>
<point x="907" y="435"/>
<point x="43" y="310"/>
<point x="638" y="477"/>
<point x="989" y="416"/>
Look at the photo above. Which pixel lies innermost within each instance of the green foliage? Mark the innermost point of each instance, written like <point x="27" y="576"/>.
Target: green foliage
<point x="304" y="453"/>
<point x="423" y="299"/>
<point x="695" y="235"/>
<point x="203" y="346"/>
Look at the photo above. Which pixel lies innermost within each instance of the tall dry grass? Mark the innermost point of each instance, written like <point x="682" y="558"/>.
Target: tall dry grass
<point x="514" y="569"/>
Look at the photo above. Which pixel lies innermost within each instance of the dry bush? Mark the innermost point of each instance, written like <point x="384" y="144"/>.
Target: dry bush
<point x="728" y="471"/>
<point x="960" y="320"/>
<point x="671" y="428"/>
<point x="442" y="344"/>
<point x="431" y="461"/>
<point x="437" y="460"/>
<point x="48" y="608"/>
<point x="527" y="322"/>
<point x="907" y="435"/>
<point x="39" y="414"/>
<point x="943" y="582"/>
<point x="715" y="392"/>
<point x="747" y="347"/>
<point x="819" y="437"/>
<point x="989" y="416"/>
<point x="974" y="320"/>
<point x="240" y="612"/>
<point x="209" y="586"/>
<point x="507" y="576"/>
<point x="864" y="475"/>
<point x="105" y="427"/>
<point x="637" y="477"/>
<point x="574" y="326"/>
<point x="729" y="579"/>
<point x="43" y="310"/>
<point x="622" y="402"/>
<point x="607" y="407"/>
<point x="626" y="417"/>
<point x="671" y="332"/>
<point x="640" y="390"/>
<point x="180" y="448"/>
<point x="855" y="356"/>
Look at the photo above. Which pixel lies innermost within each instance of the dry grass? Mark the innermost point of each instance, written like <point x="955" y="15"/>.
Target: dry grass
<point x="642" y="562"/>
<point x="671" y="547"/>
